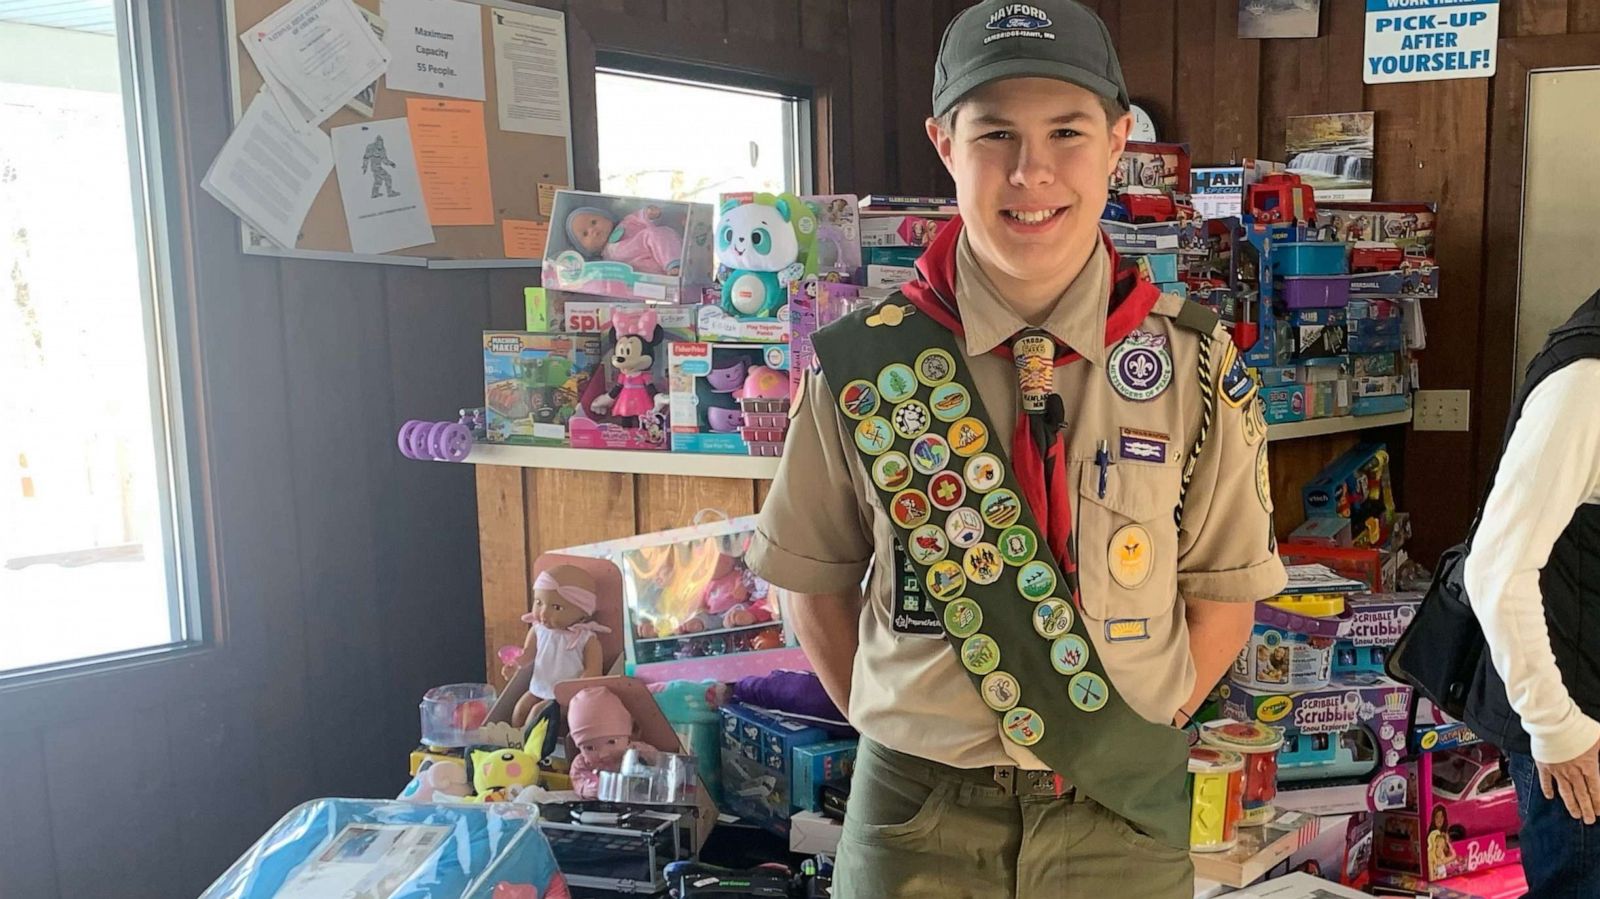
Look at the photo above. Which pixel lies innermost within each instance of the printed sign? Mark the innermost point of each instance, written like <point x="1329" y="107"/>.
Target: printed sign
<point x="1430" y="40"/>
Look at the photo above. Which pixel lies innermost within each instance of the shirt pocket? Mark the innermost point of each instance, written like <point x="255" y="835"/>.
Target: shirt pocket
<point x="1128" y="544"/>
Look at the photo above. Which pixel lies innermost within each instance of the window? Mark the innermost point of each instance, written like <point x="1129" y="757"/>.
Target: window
<point x="88" y="560"/>
<point x="655" y="140"/>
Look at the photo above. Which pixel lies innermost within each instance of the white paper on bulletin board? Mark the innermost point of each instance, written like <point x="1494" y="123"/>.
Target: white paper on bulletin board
<point x="1430" y="40"/>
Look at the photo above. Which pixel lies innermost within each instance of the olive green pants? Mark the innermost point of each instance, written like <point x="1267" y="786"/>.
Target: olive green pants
<point x="921" y="830"/>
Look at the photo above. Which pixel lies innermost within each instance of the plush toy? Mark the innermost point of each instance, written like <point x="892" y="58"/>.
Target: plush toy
<point x="439" y="780"/>
<point x="561" y="643"/>
<point x="603" y="731"/>
<point x="636" y="241"/>
<point x="498" y="775"/>
<point x="632" y="346"/>
<point x="761" y="244"/>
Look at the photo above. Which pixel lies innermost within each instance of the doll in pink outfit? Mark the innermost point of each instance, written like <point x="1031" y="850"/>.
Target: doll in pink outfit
<point x="561" y="644"/>
<point x="632" y="347"/>
<point x="636" y="240"/>
<point x="603" y="731"/>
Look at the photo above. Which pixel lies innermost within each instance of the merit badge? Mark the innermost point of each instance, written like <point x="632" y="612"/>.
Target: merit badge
<point x="968" y="437"/>
<point x="962" y="618"/>
<point x="1237" y="385"/>
<point x="982" y="564"/>
<point x="891" y="471"/>
<point x="1001" y="509"/>
<point x="1142" y="446"/>
<point x="1088" y="691"/>
<point x="858" y="399"/>
<point x="911" y="419"/>
<point x="890" y="315"/>
<point x="1263" y="479"/>
<point x="1140" y="368"/>
<point x="873" y="435"/>
<point x="896" y="382"/>
<point x="1023" y="726"/>
<point x="909" y="508"/>
<point x="950" y="402"/>
<point x="946" y="490"/>
<point x="945" y="579"/>
<point x="1130" y="556"/>
<point x="1036" y="581"/>
<point x="1068" y="654"/>
<point x="964" y="527"/>
<point x="1255" y="421"/>
<point x="934" y="367"/>
<point x="927" y="544"/>
<point x="929" y="453"/>
<point x="1052" y="618"/>
<point x="980" y="653"/>
<point x="1035" y="358"/>
<point x="1000" y="690"/>
<point x="1018" y="544"/>
<point x="1127" y="630"/>
<point x="984" y="472"/>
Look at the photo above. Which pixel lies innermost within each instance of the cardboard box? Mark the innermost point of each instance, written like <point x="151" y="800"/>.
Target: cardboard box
<point x="693" y="391"/>
<point x="1347" y="483"/>
<point x="823" y="763"/>
<point x="1259" y="850"/>
<point x="533" y="384"/>
<point x="1285" y="403"/>
<point x="757" y="767"/>
<point x="811" y="833"/>
<point x="890" y="275"/>
<point x="606" y="272"/>
<point x="717" y="326"/>
<point x="1317" y="334"/>
<point x="899" y="230"/>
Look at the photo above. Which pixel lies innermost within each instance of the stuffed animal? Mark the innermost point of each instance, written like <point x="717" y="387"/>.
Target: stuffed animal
<point x="604" y="731"/>
<point x="439" y="780"/>
<point x="498" y="775"/>
<point x="637" y="241"/>
<point x="761" y="244"/>
<point x="632" y="346"/>
<point x="561" y="643"/>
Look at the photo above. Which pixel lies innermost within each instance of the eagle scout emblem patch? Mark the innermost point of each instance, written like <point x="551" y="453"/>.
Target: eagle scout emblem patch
<point x="1000" y="691"/>
<point x="1237" y="385"/>
<point x="1140" y="368"/>
<point x="1129" y="557"/>
<point x="1069" y="654"/>
<point x="1088" y="691"/>
<point x="1023" y="726"/>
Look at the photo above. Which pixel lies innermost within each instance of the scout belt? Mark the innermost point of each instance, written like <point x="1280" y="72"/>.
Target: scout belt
<point x="1009" y="612"/>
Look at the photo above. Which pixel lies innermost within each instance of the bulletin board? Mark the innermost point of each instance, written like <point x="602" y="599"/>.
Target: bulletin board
<point x="518" y="162"/>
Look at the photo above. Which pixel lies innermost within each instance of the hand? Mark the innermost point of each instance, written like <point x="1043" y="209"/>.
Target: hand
<point x="1578" y="782"/>
<point x="602" y="404"/>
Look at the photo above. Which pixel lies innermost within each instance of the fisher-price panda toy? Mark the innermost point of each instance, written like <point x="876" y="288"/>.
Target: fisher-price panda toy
<point x="761" y="243"/>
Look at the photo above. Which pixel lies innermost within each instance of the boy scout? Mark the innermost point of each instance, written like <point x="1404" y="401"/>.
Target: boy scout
<point x="1057" y="478"/>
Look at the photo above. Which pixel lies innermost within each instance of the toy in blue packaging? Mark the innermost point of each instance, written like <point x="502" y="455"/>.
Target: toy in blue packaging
<point x="818" y="765"/>
<point x="757" y="763"/>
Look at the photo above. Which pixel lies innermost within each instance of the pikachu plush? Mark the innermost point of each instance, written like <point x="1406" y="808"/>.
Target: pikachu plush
<point x="498" y="775"/>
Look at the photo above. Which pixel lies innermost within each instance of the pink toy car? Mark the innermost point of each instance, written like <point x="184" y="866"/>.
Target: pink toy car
<point x="1478" y="796"/>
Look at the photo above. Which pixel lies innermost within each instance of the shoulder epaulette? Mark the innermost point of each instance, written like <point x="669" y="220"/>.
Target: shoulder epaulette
<point x="1197" y="318"/>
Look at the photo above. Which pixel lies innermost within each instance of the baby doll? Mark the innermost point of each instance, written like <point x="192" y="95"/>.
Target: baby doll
<point x="603" y="731"/>
<point x="636" y="241"/>
<point x="561" y="643"/>
<point x="633" y="344"/>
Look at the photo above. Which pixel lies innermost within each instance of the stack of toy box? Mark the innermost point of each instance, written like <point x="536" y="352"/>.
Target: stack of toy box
<point x="759" y="764"/>
<point x="1148" y="214"/>
<point x="895" y="230"/>
<point x="1351" y="522"/>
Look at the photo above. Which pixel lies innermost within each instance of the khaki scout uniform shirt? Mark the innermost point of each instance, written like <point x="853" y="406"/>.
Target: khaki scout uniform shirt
<point x="822" y="524"/>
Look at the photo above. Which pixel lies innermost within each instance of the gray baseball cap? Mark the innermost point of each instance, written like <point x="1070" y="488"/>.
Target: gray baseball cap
<point x="1059" y="39"/>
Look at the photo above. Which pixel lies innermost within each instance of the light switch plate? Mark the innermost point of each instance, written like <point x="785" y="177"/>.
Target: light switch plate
<point x="1442" y="410"/>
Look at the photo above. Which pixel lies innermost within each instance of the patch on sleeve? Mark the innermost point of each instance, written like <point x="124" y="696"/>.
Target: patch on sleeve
<point x="1237" y="385"/>
<point x="800" y="390"/>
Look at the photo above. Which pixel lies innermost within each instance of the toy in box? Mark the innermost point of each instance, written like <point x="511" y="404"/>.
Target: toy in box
<point x="1406" y="226"/>
<point x="718" y="389"/>
<point x="1162" y="167"/>
<point x="1284" y="403"/>
<point x="820" y="764"/>
<point x="1355" y="486"/>
<point x="899" y="230"/>
<point x="694" y="611"/>
<point x="624" y="406"/>
<point x="1316" y="334"/>
<point x="1130" y="239"/>
<point x="1374" y="568"/>
<point x="1459" y="813"/>
<point x="715" y="325"/>
<point x="628" y="247"/>
<point x="758" y="763"/>
<point x="533" y="382"/>
<point x="764" y="241"/>
<point x="815" y="303"/>
<point x="366" y="847"/>
<point x="579" y="313"/>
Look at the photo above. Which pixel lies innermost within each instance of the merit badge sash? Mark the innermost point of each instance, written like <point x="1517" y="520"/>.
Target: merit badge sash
<point x="1007" y="609"/>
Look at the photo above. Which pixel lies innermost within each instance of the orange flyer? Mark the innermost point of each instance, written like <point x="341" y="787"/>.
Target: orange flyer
<point x="452" y="155"/>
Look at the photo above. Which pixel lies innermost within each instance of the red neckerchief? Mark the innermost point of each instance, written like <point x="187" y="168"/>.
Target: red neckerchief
<point x="1040" y="462"/>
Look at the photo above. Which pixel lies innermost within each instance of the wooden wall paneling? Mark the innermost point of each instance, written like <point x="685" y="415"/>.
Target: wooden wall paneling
<point x="1147" y="47"/>
<point x="503" y="542"/>
<point x="1306" y="76"/>
<point x="1291" y="464"/>
<point x="653" y="10"/>
<point x="1527" y="18"/>
<point x="872" y="84"/>
<point x="762" y="489"/>
<point x="330" y="378"/>
<point x="27" y="843"/>
<point x="672" y="501"/>
<point x="507" y="311"/>
<point x="1198" y="80"/>
<point x="710" y="16"/>
<point x="121" y="759"/>
<point x="219" y="756"/>
<point x="1110" y="12"/>
<point x="1345" y="25"/>
<point x="767" y="21"/>
<point x="571" y="508"/>
<point x="825" y="25"/>
<point x="1228" y="127"/>
<point x="917" y="27"/>
<point x="585" y="123"/>
<point x="1583" y="17"/>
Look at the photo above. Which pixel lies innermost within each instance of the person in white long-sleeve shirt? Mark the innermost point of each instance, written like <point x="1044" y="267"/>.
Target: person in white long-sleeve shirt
<point x="1533" y="579"/>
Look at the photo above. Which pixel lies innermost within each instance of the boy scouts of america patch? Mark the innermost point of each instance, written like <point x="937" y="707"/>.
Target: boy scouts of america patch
<point x="1140" y="368"/>
<point x="1237" y="385"/>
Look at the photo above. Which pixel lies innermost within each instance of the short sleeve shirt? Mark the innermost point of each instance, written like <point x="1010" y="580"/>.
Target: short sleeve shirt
<point x="823" y="528"/>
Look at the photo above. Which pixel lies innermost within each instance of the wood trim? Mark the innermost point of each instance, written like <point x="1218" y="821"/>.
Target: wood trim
<point x="503" y="550"/>
<point x="1502" y="229"/>
<point x="788" y="61"/>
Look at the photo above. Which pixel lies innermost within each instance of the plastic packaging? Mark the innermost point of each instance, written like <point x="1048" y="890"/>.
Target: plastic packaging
<point x="452" y="714"/>
<point x="1258" y="744"/>
<point x="1216" y="788"/>
<point x="659" y="777"/>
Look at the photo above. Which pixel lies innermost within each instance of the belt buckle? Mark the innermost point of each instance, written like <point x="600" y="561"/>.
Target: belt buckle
<point x="1015" y="781"/>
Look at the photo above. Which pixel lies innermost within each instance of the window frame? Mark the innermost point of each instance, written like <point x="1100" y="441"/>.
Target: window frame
<point x="146" y="36"/>
<point x="800" y="145"/>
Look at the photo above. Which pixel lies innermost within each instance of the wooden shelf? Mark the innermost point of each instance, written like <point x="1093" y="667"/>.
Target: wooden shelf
<point x="1318" y="426"/>
<point x="700" y="465"/>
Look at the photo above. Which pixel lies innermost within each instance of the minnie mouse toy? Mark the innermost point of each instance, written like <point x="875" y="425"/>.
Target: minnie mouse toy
<point x="632" y="347"/>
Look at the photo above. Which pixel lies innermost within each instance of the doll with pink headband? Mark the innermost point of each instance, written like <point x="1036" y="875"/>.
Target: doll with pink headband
<point x="561" y="644"/>
<point x="603" y="731"/>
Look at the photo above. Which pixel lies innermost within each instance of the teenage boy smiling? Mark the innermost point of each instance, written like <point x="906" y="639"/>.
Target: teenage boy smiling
<point x="1141" y="460"/>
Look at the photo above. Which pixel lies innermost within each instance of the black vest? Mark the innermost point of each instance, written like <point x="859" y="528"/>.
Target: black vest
<point x="1570" y="581"/>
